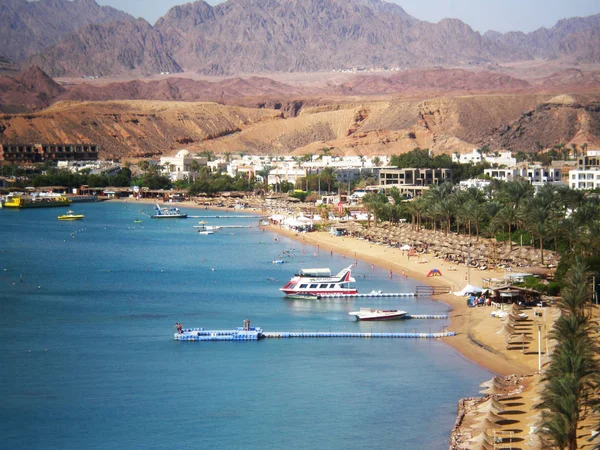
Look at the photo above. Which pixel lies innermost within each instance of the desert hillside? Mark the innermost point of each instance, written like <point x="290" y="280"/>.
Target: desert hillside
<point x="367" y="126"/>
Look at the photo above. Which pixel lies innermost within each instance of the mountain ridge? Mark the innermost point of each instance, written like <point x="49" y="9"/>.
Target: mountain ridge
<point x="252" y="36"/>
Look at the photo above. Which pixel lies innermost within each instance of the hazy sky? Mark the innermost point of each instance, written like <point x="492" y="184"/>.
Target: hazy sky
<point x="481" y="15"/>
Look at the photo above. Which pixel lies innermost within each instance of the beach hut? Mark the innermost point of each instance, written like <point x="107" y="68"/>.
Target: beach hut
<point x="434" y="273"/>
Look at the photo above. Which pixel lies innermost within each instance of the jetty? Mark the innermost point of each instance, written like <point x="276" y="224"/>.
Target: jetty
<point x="374" y="294"/>
<point x="248" y="333"/>
<point x="229" y="216"/>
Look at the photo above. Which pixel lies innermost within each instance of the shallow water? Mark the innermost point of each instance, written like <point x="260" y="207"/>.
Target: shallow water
<point x="87" y="314"/>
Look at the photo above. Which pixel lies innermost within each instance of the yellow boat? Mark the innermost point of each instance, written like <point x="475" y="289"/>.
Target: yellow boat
<point x="36" y="201"/>
<point x="70" y="215"/>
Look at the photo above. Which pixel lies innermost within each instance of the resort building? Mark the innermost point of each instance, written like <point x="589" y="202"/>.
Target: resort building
<point x="535" y="174"/>
<point x="584" y="178"/>
<point x="179" y="167"/>
<point x="498" y="158"/>
<point x="590" y="160"/>
<point x="413" y="177"/>
<point x="37" y="153"/>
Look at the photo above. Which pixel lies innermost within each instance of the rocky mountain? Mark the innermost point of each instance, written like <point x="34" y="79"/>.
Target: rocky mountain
<point x="130" y="46"/>
<point x="31" y="89"/>
<point x="132" y="129"/>
<point x="30" y="26"/>
<point x="562" y="119"/>
<point x="252" y="36"/>
<point x="310" y="35"/>
<point x="567" y="37"/>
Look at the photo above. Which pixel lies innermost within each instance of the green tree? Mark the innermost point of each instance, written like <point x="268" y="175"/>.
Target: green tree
<point x="573" y="370"/>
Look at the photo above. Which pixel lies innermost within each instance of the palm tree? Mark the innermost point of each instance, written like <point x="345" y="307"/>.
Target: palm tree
<point x="573" y="369"/>
<point x="264" y="173"/>
<point x="144" y="165"/>
<point x="373" y="203"/>
<point x="195" y="167"/>
<point x="327" y="175"/>
<point x="536" y="216"/>
<point x="514" y="192"/>
<point x="416" y="208"/>
<point x="323" y="211"/>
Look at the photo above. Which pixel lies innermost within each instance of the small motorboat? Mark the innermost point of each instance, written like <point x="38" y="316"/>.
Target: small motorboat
<point x="70" y="215"/>
<point x="206" y="229"/>
<point x="137" y="221"/>
<point x="378" y="314"/>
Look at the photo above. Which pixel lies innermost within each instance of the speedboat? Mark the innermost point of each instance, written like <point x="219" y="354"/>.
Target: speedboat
<point x="309" y="283"/>
<point x="378" y="314"/>
<point x="167" y="213"/>
<point x="206" y="229"/>
<point x="70" y="215"/>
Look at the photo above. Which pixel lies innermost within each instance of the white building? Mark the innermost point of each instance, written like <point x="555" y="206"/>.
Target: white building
<point x="584" y="178"/>
<point x="535" y="174"/>
<point x="178" y="167"/>
<point x="467" y="158"/>
<point x="474" y="183"/>
<point x="503" y="158"/>
<point x="289" y="173"/>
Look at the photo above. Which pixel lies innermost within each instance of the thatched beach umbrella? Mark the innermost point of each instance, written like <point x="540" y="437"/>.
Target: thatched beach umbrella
<point x="489" y="415"/>
<point x="481" y="441"/>
<point x="494" y="381"/>
<point x="491" y="404"/>
<point x="519" y="339"/>
<point x="484" y="424"/>
<point x="507" y="328"/>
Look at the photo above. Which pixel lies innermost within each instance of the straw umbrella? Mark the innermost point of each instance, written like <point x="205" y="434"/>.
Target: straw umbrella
<point x="519" y="339"/>
<point x="494" y="381"/>
<point x="481" y="441"/>
<point x="494" y="389"/>
<point x="491" y="404"/>
<point x="489" y="416"/>
<point x="507" y="328"/>
<point x="484" y="424"/>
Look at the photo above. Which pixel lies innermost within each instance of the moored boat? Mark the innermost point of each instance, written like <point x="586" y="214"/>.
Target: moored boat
<point x="310" y="283"/>
<point x="35" y="201"/>
<point x="70" y="215"/>
<point x="167" y="213"/>
<point x="206" y="229"/>
<point x="378" y="314"/>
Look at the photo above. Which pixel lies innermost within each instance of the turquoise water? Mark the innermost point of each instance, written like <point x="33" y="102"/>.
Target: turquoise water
<point x="87" y="314"/>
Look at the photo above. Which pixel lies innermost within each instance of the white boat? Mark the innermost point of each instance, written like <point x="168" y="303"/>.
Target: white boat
<point x="309" y="283"/>
<point x="167" y="213"/>
<point x="378" y="314"/>
<point x="206" y="229"/>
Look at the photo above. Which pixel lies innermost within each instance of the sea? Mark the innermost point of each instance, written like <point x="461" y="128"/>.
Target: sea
<point x="88" y="360"/>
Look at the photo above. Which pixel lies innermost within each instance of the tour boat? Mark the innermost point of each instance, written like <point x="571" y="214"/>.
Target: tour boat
<point x="70" y="215"/>
<point x="167" y="213"/>
<point x="378" y="314"/>
<point x="311" y="283"/>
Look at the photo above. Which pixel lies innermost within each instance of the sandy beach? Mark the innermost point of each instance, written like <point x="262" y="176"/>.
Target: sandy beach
<point x="477" y="335"/>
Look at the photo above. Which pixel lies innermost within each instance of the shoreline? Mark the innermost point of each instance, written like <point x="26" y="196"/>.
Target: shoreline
<point x="477" y="336"/>
<point x="467" y="340"/>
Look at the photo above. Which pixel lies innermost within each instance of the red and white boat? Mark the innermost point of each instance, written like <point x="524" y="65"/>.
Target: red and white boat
<point x="311" y="283"/>
<point x="378" y="314"/>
